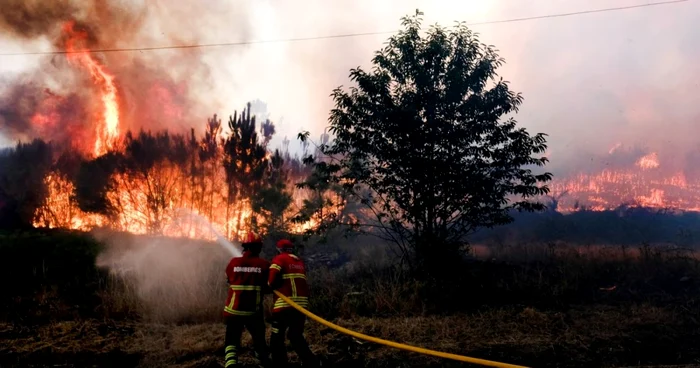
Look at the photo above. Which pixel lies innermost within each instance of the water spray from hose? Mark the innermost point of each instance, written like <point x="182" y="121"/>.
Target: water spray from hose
<point x="235" y="250"/>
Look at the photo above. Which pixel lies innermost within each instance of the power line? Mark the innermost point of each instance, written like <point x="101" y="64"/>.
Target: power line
<point x="580" y="12"/>
<point x="242" y="43"/>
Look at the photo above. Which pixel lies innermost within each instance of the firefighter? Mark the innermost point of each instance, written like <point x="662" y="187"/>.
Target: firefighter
<point x="288" y="276"/>
<point x="247" y="278"/>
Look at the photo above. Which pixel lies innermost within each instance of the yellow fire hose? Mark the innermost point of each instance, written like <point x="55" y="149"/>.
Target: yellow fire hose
<point x="414" y="349"/>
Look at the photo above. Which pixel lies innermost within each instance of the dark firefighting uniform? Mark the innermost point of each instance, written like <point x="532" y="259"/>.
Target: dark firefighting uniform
<point x="288" y="276"/>
<point x="247" y="277"/>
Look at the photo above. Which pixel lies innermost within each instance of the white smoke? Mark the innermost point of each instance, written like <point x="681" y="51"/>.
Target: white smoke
<point x="167" y="279"/>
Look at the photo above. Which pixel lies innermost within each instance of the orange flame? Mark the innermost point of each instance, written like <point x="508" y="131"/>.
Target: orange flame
<point x="133" y="194"/>
<point x="634" y="186"/>
<point x="650" y="161"/>
<point x="108" y="129"/>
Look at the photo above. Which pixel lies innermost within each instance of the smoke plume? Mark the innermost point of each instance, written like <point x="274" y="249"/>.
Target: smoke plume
<point x="156" y="90"/>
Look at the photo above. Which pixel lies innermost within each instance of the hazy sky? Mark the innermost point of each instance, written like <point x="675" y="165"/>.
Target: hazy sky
<point x="589" y="81"/>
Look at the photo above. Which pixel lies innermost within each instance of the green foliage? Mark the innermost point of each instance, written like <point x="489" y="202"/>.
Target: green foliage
<point x="424" y="143"/>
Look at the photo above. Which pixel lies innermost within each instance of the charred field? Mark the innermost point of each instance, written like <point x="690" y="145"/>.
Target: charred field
<point x="78" y="299"/>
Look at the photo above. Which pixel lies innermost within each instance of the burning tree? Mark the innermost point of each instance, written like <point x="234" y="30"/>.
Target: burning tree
<point x="150" y="180"/>
<point x="423" y="144"/>
<point x="110" y="163"/>
<point x="245" y="162"/>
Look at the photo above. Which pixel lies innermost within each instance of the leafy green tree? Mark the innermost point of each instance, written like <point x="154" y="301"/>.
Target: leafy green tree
<point x="424" y="141"/>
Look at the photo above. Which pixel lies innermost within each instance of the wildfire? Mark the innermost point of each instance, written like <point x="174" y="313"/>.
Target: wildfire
<point x="172" y="198"/>
<point x="650" y="161"/>
<point x="47" y="114"/>
<point x="655" y="199"/>
<point x="634" y="187"/>
<point x="647" y="183"/>
<point x="108" y="127"/>
<point x="179" y="217"/>
<point x="164" y="198"/>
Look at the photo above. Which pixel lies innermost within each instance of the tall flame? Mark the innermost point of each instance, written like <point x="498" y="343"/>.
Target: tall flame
<point x="108" y="127"/>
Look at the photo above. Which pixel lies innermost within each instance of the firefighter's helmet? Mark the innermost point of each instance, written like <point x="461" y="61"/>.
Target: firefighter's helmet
<point x="252" y="238"/>
<point x="285" y="244"/>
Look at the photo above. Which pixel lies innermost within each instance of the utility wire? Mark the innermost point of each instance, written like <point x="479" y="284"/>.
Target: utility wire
<point x="241" y="43"/>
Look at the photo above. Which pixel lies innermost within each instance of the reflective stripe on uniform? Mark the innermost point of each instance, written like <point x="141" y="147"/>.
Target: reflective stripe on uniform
<point x="277" y="267"/>
<point x="230" y="305"/>
<point x="294" y="276"/>
<point x="301" y="300"/>
<point x="237" y="313"/>
<point x="244" y="287"/>
<point x="292" y="280"/>
<point x="230" y="357"/>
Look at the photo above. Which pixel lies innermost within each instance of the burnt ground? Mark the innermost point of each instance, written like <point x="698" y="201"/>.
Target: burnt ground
<point x="594" y="336"/>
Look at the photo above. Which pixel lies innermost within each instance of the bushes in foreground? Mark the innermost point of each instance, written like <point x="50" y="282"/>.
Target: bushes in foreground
<point x="556" y="278"/>
<point x="47" y="272"/>
<point x="58" y="275"/>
